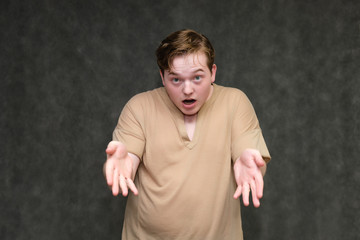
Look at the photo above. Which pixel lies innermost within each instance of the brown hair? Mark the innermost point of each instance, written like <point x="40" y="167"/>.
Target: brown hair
<point x="183" y="42"/>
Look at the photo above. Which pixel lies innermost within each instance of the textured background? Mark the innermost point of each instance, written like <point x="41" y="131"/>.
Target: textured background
<point x="68" y="67"/>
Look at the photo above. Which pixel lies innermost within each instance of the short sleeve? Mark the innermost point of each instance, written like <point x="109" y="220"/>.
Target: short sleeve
<point x="129" y="129"/>
<point x="246" y="132"/>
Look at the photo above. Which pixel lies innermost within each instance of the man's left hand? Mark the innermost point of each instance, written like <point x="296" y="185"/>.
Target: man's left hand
<point x="249" y="169"/>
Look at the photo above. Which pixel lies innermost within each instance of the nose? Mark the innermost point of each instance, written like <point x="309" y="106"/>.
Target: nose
<point x="188" y="88"/>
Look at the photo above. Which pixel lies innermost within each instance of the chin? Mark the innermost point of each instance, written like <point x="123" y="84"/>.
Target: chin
<point x="190" y="114"/>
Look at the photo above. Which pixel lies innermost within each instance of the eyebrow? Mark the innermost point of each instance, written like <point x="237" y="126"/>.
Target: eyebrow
<point x="196" y="71"/>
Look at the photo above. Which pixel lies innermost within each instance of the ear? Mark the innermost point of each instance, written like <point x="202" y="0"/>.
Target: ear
<point x="162" y="77"/>
<point x="213" y="73"/>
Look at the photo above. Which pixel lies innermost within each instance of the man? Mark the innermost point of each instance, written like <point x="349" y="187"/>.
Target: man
<point x="187" y="150"/>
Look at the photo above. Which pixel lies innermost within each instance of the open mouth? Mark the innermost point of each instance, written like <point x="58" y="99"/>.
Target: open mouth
<point x="189" y="101"/>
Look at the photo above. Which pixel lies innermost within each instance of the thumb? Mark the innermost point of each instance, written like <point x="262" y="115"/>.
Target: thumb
<point x="258" y="159"/>
<point x="111" y="147"/>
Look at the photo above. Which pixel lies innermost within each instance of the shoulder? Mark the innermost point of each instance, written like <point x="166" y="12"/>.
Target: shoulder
<point x="233" y="100"/>
<point x="144" y="103"/>
<point x="145" y="97"/>
<point x="230" y="94"/>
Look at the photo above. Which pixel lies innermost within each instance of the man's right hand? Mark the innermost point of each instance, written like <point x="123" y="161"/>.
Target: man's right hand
<point x="120" y="168"/>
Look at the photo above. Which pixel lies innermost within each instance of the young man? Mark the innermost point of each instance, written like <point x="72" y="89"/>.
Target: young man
<point x="186" y="151"/>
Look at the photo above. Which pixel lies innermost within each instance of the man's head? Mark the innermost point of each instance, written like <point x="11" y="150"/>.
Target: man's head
<point x="187" y="69"/>
<point x="181" y="43"/>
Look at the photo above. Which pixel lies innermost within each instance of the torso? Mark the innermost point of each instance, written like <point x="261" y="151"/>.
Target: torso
<point x="183" y="157"/>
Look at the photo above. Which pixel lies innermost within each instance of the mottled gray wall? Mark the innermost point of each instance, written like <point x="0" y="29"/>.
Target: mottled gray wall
<point x="67" y="69"/>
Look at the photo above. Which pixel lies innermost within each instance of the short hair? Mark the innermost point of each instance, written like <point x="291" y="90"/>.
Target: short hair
<point x="181" y="43"/>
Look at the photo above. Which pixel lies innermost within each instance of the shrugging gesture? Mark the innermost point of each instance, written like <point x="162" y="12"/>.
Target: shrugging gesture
<point x="249" y="170"/>
<point x="120" y="169"/>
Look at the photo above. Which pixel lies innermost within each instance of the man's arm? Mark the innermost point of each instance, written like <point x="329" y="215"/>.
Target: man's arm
<point x="120" y="168"/>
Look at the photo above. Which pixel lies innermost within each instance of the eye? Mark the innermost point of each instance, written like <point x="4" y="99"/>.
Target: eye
<point x="197" y="78"/>
<point x="175" y="80"/>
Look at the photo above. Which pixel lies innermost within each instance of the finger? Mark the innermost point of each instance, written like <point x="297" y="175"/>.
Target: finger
<point x="237" y="192"/>
<point x="123" y="185"/>
<point x="245" y="194"/>
<point x="255" y="198"/>
<point x="115" y="186"/>
<point x="109" y="171"/>
<point x="132" y="186"/>
<point x="259" y="182"/>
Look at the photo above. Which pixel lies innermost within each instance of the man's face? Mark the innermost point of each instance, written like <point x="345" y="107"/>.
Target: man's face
<point x="188" y="82"/>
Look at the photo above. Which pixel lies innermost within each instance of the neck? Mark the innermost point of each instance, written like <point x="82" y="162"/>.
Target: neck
<point x="190" y="118"/>
<point x="190" y="123"/>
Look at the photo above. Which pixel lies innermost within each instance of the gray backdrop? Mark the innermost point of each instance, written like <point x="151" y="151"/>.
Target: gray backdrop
<point x="68" y="67"/>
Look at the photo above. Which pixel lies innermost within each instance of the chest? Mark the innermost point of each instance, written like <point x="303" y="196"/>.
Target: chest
<point x="170" y="140"/>
<point x="190" y="125"/>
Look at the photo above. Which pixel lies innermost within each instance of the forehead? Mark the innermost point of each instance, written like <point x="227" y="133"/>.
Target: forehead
<point x="188" y="62"/>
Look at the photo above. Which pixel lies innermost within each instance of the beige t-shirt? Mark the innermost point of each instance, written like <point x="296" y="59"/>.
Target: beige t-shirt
<point x="186" y="187"/>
